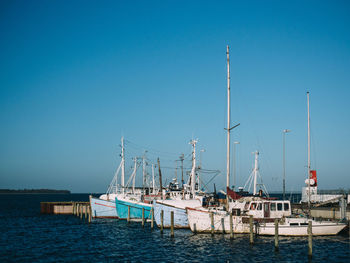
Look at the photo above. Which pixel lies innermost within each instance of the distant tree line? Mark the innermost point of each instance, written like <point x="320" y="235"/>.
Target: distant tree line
<point x="33" y="191"/>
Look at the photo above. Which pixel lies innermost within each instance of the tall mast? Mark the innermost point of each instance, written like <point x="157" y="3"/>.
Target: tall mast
<point x="228" y="120"/>
<point x="308" y="147"/>
<point x="256" y="169"/>
<point x="193" y="171"/>
<point x="153" y="182"/>
<point x="182" y="157"/>
<point x="144" y="171"/>
<point x="134" y="173"/>
<point x="123" y="167"/>
<point x="160" y="179"/>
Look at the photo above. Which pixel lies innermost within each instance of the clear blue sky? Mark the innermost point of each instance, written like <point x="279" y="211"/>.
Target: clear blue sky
<point x="77" y="75"/>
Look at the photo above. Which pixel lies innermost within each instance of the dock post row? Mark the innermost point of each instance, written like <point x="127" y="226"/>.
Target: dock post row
<point x="83" y="210"/>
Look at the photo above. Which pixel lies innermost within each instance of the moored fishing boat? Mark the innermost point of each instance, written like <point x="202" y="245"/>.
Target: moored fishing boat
<point x="130" y="204"/>
<point x="132" y="207"/>
<point x="104" y="205"/>
<point x="177" y="201"/>
<point x="200" y="221"/>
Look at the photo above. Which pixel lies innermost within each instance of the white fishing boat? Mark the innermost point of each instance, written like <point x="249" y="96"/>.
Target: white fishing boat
<point x="177" y="201"/>
<point x="200" y="221"/>
<point x="104" y="205"/>
<point x="264" y="211"/>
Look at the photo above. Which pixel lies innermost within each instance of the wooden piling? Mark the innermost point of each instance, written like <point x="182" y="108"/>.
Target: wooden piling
<point x="81" y="212"/>
<point x="128" y="214"/>
<point x="276" y="234"/>
<point x="89" y="214"/>
<point x="231" y="226"/>
<point x="223" y="225"/>
<point x="143" y="216"/>
<point x="309" y="232"/>
<point x="85" y="217"/>
<point x="212" y="222"/>
<point x="172" y="223"/>
<point x="77" y="212"/>
<point x="152" y="218"/>
<point x="251" y="234"/>
<point x="161" y="221"/>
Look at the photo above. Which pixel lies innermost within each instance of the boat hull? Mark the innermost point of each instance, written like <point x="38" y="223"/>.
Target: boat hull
<point x="322" y="228"/>
<point x="122" y="207"/>
<point x="200" y="221"/>
<point x="179" y="209"/>
<point x="103" y="208"/>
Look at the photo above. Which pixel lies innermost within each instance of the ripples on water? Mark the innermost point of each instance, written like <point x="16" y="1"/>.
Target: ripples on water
<point x="27" y="236"/>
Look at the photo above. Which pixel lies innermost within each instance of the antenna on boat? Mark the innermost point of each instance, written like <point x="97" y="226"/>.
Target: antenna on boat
<point x="308" y="148"/>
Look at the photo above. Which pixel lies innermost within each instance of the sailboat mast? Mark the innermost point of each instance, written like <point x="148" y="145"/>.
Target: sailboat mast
<point x="228" y="120"/>
<point x="160" y="179"/>
<point x="193" y="171"/>
<point x="123" y="167"/>
<point x="134" y="175"/>
<point x="308" y="147"/>
<point x="256" y="169"/>
<point x="144" y="171"/>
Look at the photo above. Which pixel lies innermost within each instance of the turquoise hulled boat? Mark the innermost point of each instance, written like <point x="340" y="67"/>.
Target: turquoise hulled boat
<point x="122" y="204"/>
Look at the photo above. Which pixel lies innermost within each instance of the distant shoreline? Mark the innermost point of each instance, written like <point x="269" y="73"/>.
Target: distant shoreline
<point x="33" y="191"/>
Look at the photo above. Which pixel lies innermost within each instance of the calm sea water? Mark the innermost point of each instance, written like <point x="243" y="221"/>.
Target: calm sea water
<point x="28" y="236"/>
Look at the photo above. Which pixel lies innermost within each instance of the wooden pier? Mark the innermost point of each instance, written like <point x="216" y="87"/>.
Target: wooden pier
<point x="61" y="208"/>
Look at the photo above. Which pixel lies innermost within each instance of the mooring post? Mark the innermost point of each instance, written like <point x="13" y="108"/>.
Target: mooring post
<point x="309" y="232"/>
<point x="212" y="222"/>
<point x="128" y="213"/>
<point x="161" y="221"/>
<point x="152" y="218"/>
<point x="276" y="234"/>
<point x="89" y="214"/>
<point x="143" y="216"/>
<point x="251" y="229"/>
<point x="172" y="223"/>
<point x="231" y="226"/>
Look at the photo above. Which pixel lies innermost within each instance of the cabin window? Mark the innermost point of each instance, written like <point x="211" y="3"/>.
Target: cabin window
<point x="294" y="224"/>
<point x="273" y="206"/>
<point x="279" y="206"/>
<point x="252" y="206"/>
<point x="259" y="206"/>
<point x="286" y="206"/>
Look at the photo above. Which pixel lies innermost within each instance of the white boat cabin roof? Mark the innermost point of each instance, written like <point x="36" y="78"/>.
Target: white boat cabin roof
<point x="261" y="208"/>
